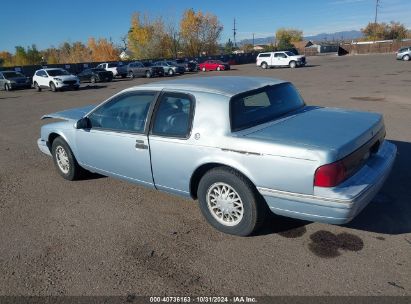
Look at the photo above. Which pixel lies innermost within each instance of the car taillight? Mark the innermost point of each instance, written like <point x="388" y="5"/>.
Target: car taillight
<point x="330" y="175"/>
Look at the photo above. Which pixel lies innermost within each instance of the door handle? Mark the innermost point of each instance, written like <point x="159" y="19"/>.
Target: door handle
<point x="140" y="144"/>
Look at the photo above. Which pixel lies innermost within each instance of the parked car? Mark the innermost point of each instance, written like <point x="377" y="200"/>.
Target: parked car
<point x="170" y="68"/>
<point x="55" y="79"/>
<point x="214" y="65"/>
<point x="94" y="75"/>
<point x="189" y="66"/>
<point x="280" y="59"/>
<point x="404" y="53"/>
<point x="137" y="68"/>
<point x="241" y="145"/>
<point x="10" y="80"/>
<point x="119" y="69"/>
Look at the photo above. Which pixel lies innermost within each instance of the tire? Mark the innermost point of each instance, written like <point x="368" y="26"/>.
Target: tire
<point x="218" y="69"/>
<point x="264" y="65"/>
<point x="76" y="88"/>
<point x="93" y="79"/>
<point x="204" y="69"/>
<point x="250" y="203"/>
<point x="37" y="87"/>
<point x="131" y="74"/>
<point x="406" y="58"/>
<point x="64" y="160"/>
<point x="293" y="64"/>
<point x="7" y="87"/>
<point x="170" y="72"/>
<point x="148" y="74"/>
<point x="53" y="87"/>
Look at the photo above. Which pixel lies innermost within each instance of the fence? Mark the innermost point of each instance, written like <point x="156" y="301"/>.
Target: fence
<point x="380" y="47"/>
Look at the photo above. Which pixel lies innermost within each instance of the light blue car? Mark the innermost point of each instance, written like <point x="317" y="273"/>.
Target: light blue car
<point x="241" y="145"/>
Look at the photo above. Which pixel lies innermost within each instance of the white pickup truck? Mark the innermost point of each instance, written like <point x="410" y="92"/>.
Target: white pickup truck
<point x="274" y="59"/>
<point x="117" y="68"/>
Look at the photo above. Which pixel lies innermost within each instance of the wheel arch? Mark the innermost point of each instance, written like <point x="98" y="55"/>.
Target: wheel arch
<point x="53" y="135"/>
<point x="200" y="171"/>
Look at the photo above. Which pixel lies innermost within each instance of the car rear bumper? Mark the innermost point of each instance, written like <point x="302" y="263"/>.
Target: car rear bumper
<point x="337" y="205"/>
<point x="42" y="144"/>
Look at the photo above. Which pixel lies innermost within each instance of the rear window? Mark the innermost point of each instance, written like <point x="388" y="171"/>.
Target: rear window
<point x="259" y="106"/>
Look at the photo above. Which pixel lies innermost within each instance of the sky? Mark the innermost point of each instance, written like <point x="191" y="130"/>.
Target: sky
<point x="49" y="23"/>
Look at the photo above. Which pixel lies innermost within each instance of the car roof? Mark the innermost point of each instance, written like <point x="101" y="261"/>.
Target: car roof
<point x="50" y="69"/>
<point x="223" y="85"/>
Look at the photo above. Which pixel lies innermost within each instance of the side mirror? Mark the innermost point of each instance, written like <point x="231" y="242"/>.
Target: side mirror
<point x="83" y="123"/>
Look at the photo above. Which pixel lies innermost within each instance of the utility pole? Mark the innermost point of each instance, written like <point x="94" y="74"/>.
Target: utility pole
<point x="234" y="33"/>
<point x="377" y="4"/>
<point x="253" y="39"/>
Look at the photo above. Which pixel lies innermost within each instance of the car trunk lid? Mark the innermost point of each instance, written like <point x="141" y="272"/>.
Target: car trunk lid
<point x="338" y="131"/>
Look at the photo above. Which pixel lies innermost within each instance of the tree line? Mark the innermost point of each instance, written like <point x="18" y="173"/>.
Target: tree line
<point x="196" y="34"/>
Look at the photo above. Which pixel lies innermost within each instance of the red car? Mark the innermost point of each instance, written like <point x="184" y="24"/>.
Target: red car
<point x="214" y="65"/>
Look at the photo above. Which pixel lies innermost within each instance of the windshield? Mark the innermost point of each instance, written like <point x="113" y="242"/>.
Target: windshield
<point x="171" y="63"/>
<point x="289" y="53"/>
<point x="12" y="74"/>
<point x="259" y="106"/>
<point x="57" y="72"/>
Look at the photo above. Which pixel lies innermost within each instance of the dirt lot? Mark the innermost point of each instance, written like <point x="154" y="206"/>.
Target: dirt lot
<point x="106" y="237"/>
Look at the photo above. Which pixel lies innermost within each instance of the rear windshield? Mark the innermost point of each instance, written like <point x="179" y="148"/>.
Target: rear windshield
<point x="57" y="72"/>
<point x="259" y="106"/>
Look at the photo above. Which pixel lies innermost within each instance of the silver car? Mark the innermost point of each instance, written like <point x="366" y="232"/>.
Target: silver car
<point x="404" y="53"/>
<point x="241" y="145"/>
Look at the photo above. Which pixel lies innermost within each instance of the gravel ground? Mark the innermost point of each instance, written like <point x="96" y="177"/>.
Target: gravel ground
<point x="101" y="236"/>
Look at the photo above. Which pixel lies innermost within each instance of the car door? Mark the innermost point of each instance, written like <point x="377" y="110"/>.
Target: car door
<point x="84" y="75"/>
<point x="42" y="80"/>
<point x="143" y="69"/>
<point x="170" y="144"/>
<point x="116" y="143"/>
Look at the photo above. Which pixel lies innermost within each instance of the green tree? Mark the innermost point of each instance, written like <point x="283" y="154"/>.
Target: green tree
<point x="285" y="37"/>
<point x="33" y="55"/>
<point x="229" y="47"/>
<point x="20" y="56"/>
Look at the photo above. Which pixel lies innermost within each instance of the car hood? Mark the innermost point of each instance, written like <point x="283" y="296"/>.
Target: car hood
<point x="327" y="129"/>
<point x="65" y="77"/>
<point x="71" y="114"/>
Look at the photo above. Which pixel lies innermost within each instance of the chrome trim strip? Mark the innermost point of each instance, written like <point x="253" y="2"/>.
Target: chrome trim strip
<point x="279" y="193"/>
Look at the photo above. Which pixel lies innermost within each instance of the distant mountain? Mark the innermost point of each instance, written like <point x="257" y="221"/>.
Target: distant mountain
<point x="345" y="35"/>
